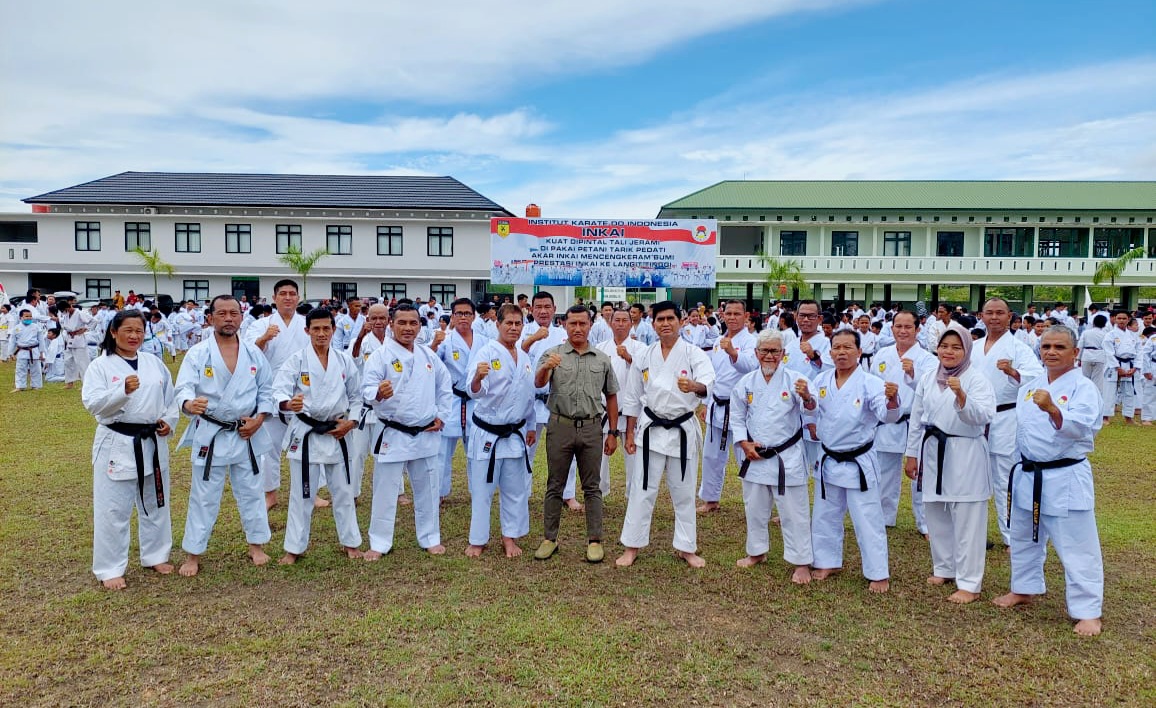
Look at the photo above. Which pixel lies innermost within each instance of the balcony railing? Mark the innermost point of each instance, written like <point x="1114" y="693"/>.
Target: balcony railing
<point x="912" y="268"/>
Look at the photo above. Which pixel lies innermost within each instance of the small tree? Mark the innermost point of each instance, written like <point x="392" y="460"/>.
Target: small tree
<point x="787" y="273"/>
<point x="153" y="263"/>
<point x="302" y="263"/>
<point x="1112" y="269"/>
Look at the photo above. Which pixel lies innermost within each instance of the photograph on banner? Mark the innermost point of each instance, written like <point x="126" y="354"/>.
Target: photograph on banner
<point x="669" y="253"/>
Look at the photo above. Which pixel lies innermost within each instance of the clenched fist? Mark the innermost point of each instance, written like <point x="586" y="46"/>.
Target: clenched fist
<point x="1043" y="399"/>
<point x="197" y="406"/>
<point x="384" y="390"/>
<point x="483" y="371"/>
<point x="131" y="383"/>
<point x="553" y="361"/>
<point x="803" y="391"/>
<point x="908" y="367"/>
<point x="953" y="384"/>
<point x="891" y="390"/>
<point x="624" y="354"/>
<point x="297" y="403"/>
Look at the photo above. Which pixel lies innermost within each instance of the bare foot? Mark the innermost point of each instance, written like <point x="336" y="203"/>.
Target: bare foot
<point x="352" y="553"/>
<point x="403" y="500"/>
<point x="114" y="584"/>
<point x="692" y="559"/>
<point x="879" y="586"/>
<point x="707" y="507"/>
<point x="473" y="551"/>
<point x="573" y="505"/>
<point x="802" y="575"/>
<point x="1011" y="600"/>
<point x="936" y="580"/>
<point x="513" y="550"/>
<point x="751" y="561"/>
<point x="1146" y="422"/>
<point x="627" y="558"/>
<point x="963" y="597"/>
<point x="824" y="573"/>
<point x="163" y="568"/>
<point x="926" y="537"/>
<point x="320" y="503"/>
<point x="191" y="566"/>
<point x="1088" y="628"/>
<point x="270" y="500"/>
<point x="437" y="550"/>
<point x="372" y="555"/>
<point x="776" y="521"/>
<point x="257" y="554"/>
<point x="287" y="559"/>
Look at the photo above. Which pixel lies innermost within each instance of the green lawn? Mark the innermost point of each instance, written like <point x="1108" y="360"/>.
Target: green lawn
<point x="418" y="630"/>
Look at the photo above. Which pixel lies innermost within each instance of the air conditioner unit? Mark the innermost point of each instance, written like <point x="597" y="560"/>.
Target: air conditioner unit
<point x="150" y="211"/>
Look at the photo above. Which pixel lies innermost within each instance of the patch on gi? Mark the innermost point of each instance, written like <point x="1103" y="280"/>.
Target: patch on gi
<point x="253" y="370"/>
<point x="455" y="355"/>
<point x="428" y="366"/>
<point x="822" y="392"/>
<point x="397" y="365"/>
<point x="750" y="398"/>
<point x="858" y="403"/>
<point x="784" y="395"/>
<point x="208" y="371"/>
<point x="496" y="364"/>
<point x="1028" y="397"/>
<point x="786" y="358"/>
<point x="304" y="378"/>
<point x="489" y="446"/>
<point x="115" y="379"/>
<point x="882" y="366"/>
<point x="645" y="375"/>
<point x="1063" y="401"/>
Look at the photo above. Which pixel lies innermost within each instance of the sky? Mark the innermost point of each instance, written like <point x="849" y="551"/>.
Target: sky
<point x="598" y="109"/>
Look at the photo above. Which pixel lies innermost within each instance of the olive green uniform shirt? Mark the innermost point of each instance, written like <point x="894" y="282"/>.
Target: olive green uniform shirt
<point x="579" y="382"/>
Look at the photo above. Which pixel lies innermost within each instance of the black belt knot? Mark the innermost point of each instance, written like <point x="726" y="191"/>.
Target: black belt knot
<point x="775" y="451"/>
<point x="230" y="426"/>
<point x="844" y="456"/>
<point x="941" y="449"/>
<point x="1037" y="485"/>
<point x="667" y="423"/>
<point x="139" y="432"/>
<point x="320" y="427"/>
<point x="725" y="404"/>
<point x="543" y="397"/>
<point x="465" y="399"/>
<point x="503" y="431"/>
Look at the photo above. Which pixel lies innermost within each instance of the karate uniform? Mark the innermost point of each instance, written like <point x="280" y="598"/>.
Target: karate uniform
<point x="1001" y="434"/>
<point x="846" y="419"/>
<point x="868" y="344"/>
<point x="1148" y="385"/>
<point x="329" y="394"/>
<point x="891" y="439"/>
<point x="291" y="338"/>
<point x="1121" y="350"/>
<point x="600" y="332"/>
<point x="702" y="336"/>
<point x="365" y="434"/>
<point x="716" y="450"/>
<point x="421" y="394"/>
<point x="957" y="487"/>
<point x="644" y="332"/>
<point x="115" y="491"/>
<point x="794" y="359"/>
<point x="769" y="413"/>
<point x="76" y="356"/>
<point x="247" y="391"/>
<point x="505" y="397"/>
<point x="1093" y="362"/>
<point x="456" y="355"/>
<point x="621" y="369"/>
<point x="1067" y="510"/>
<point x="28" y="343"/>
<point x="652" y="382"/>
<point x="346" y="331"/>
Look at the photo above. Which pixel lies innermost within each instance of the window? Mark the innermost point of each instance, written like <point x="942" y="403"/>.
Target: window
<point x="949" y="243"/>
<point x="844" y="243"/>
<point x="97" y="288"/>
<point x="1063" y="243"/>
<point x="441" y="241"/>
<point x="389" y="240"/>
<point x="238" y="238"/>
<point x="24" y="232"/>
<point x="443" y="293"/>
<point x="288" y="236"/>
<point x="339" y="239"/>
<point x="138" y="234"/>
<point x="188" y="239"/>
<point x="1008" y="242"/>
<point x="1152" y="243"/>
<point x="1113" y="243"/>
<point x="343" y="291"/>
<point x="88" y="235"/>
<point x="793" y="243"/>
<point x="197" y="290"/>
<point x="897" y="243"/>
<point x="392" y="290"/>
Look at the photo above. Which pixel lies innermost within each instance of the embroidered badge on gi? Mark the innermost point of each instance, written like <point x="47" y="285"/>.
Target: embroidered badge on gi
<point x="750" y="398"/>
<point x="786" y="358"/>
<point x="489" y="446"/>
<point x="1028" y="397"/>
<point x="428" y="366"/>
<point x="858" y="403"/>
<point x="253" y="370"/>
<point x="115" y="379"/>
<point x="822" y="392"/>
<point x="208" y="372"/>
<point x="645" y="375"/>
<point x="784" y="395"/>
<point x="397" y="365"/>
<point x="882" y="366"/>
<point x="455" y="355"/>
<point x="1063" y="401"/>
<point x="304" y="378"/>
<point x="496" y="364"/>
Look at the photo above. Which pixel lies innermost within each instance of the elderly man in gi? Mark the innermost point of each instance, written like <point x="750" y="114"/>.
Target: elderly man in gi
<point x="1052" y="490"/>
<point x="319" y="386"/>
<point x="850" y="405"/>
<point x="732" y="357"/>
<point x="665" y="385"/>
<point x="226" y="388"/>
<point x="1008" y="364"/>
<point x="809" y="355"/>
<point x="502" y="430"/>
<point x="455" y="351"/>
<point x="766" y="417"/>
<point x="409" y="389"/>
<point x="580" y="378"/>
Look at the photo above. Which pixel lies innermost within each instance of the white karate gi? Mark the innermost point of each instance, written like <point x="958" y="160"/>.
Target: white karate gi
<point x="346" y="331"/>
<point x="1001" y="434"/>
<point x="54" y="361"/>
<point x="1121" y="350"/>
<point x="644" y="332"/>
<point x="770" y="413"/>
<point x="600" y="332"/>
<point x="247" y="391"/>
<point x="505" y="397"/>
<point x="702" y="336"/>
<point x="329" y="394"/>
<point x="360" y="438"/>
<point x="1093" y="362"/>
<point x="957" y="510"/>
<point x="28" y="344"/>
<point x="716" y="449"/>
<point x="114" y="469"/>
<point x="793" y="359"/>
<point x="1148" y="385"/>
<point x="1067" y="513"/>
<point x="541" y="413"/>
<point x="621" y="369"/>
<point x="291" y="338"/>
<point x="869" y="344"/>
<point x="456" y="354"/>
<point x="652" y="382"/>
<point x="846" y="419"/>
<point x="76" y="355"/>
<point x="891" y="439"/>
<point x="421" y="393"/>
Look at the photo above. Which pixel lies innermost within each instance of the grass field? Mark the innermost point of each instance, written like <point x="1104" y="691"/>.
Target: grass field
<point x="418" y="630"/>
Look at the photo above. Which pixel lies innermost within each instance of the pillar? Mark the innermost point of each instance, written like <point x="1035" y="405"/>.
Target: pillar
<point x="976" y="297"/>
<point x="887" y="295"/>
<point x="868" y="296"/>
<point x="921" y="294"/>
<point x="1129" y="297"/>
<point x="934" y="297"/>
<point x="819" y="294"/>
<point x="1029" y="296"/>
<point x="840" y="296"/>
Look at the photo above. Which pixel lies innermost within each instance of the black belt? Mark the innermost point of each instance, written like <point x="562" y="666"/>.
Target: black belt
<point x="1091" y="348"/>
<point x="139" y="432"/>
<point x="941" y="440"/>
<point x="725" y="403"/>
<point x="1130" y="377"/>
<point x="902" y="419"/>
<point x="1005" y="407"/>
<point x="844" y="456"/>
<point x="541" y="397"/>
<point x="321" y="427"/>
<point x="667" y="423"/>
<point x="775" y="451"/>
<point x="227" y="426"/>
<point x="410" y="430"/>
<point x="465" y="399"/>
<point x="865" y="358"/>
<point x="503" y="431"/>
<point x="1037" y="486"/>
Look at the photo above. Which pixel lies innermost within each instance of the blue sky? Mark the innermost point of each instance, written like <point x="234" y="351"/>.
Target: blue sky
<point x="593" y="109"/>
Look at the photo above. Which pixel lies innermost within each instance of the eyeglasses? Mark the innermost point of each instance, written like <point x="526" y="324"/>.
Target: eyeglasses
<point x="769" y="352"/>
<point x="807" y="316"/>
<point x="463" y="314"/>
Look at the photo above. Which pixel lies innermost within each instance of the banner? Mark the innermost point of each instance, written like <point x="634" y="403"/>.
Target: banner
<point x="672" y="253"/>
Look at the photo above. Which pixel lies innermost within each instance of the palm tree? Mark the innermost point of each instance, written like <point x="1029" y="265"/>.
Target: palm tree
<point x="1112" y="269"/>
<point x="302" y="263"/>
<point x="781" y="273"/>
<point x="153" y="263"/>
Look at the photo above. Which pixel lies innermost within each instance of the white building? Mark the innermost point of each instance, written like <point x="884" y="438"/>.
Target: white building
<point x="388" y="236"/>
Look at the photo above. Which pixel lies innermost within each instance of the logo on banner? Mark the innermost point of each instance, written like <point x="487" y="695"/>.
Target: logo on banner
<point x="700" y="234"/>
<point x="503" y="228"/>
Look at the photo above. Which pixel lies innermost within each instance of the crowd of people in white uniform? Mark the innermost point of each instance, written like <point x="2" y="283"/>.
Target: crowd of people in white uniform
<point x="992" y="406"/>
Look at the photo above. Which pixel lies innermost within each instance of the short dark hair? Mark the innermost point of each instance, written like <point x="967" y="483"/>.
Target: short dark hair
<point x="800" y="303"/>
<point x="1100" y="321"/>
<point x="406" y="307"/>
<point x="319" y="313"/>
<point x="728" y="303"/>
<point x="509" y="308"/>
<point x="464" y="301"/>
<point x="576" y="309"/>
<point x="213" y="304"/>
<point x="663" y="307"/>
<point x="847" y="333"/>
<point x="914" y="319"/>
<point x="542" y="295"/>
<point x="606" y="303"/>
<point x="283" y="282"/>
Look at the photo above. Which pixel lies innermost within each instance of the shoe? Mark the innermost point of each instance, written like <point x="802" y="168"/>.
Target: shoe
<point x="545" y="550"/>
<point x="594" y="552"/>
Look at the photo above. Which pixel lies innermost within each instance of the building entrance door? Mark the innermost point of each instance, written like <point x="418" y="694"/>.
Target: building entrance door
<point x="249" y="287"/>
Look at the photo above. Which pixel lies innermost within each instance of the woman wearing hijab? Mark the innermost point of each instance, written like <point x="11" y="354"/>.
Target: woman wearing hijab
<point x="947" y="455"/>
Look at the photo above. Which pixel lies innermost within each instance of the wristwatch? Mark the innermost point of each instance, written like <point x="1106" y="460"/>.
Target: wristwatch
<point x="615" y="433"/>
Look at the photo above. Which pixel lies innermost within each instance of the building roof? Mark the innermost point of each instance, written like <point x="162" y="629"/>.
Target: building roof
<point x="256" y="190"/>
<point x="940" y="195"/>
